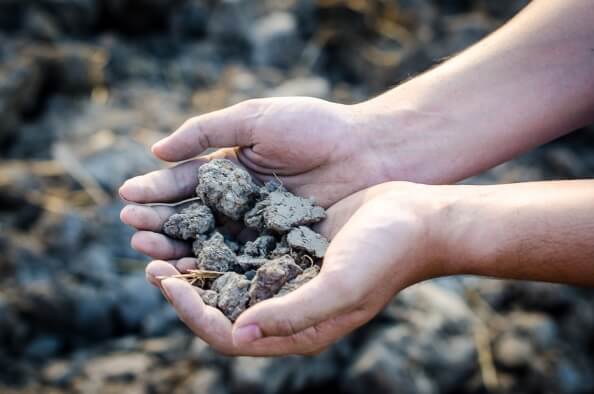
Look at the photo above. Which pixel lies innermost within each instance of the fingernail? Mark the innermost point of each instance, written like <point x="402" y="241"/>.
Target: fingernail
<point x="125" y="189"/>
<point x="246" y="334"/>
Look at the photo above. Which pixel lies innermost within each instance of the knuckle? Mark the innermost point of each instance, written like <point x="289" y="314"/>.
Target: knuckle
<point x="284" y="326"/>
<point x="250" y="105"/>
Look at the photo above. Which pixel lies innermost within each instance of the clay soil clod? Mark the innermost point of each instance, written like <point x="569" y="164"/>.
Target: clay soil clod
<point x="234" y="271"/>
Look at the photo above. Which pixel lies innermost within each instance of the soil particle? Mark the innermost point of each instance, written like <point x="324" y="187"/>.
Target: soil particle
<point x="233" y="290"/>
<point x="281" y="248"/>
<point x="226" y="188"/>
<point x="260" y="247"/>
<point x="304" y="239"/>
<point x="198" y="243"/>
<point x="292" y="285"/>
<point x="247" y="263"/>
<point x="271" y="276"/>
<point x="190" y="222"/>
<point x="210" y="297"/>
<point x="215" y="255"/>
<point x="281" y="211"/>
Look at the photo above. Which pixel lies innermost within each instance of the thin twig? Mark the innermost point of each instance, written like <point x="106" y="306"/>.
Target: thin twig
<point x="170" y="204"/>
<point x="277" y="178"/>
<point x="482" y="338"/>
<point x="311" y="262"/>
<point x="194" y="275"/>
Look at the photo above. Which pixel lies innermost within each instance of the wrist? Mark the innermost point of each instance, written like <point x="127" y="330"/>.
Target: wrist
<point x="410" y="142"/>
<point x="467" y="229"/>
<point x="435" y="224"/>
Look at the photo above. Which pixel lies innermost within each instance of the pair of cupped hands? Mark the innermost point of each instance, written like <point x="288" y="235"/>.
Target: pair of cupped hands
<point x="382" y="236"/>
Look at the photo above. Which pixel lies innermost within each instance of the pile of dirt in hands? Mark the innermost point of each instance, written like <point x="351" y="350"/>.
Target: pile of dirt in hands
<point x="251" y="243"/>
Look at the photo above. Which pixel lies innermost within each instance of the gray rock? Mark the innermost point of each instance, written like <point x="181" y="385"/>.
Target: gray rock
<point x="233" y="290"/>
<point x="20" y="83"/>
<point x="289" y="374"/>
<point x="136" y="301"/>
<point x="281" y="211"/>
<point x="304" y="239"/>
<point x="160" y="322"/>
<point x="271" y="276"/>
<point x="275" y="40"/>
<point x="189" y="19"/>
<point x="378" y="369"/>
<point x="94" y="310"/>
<point x="260" y="247"/>
<point x="210" y="297"/>
<point x="191" y="222"/>
<point x="43" y="347"/>
<point x="247" y="263"/>
<point x="40" y="25"/>
<point x="215" y="255"/>
<point x="113" y="164"/>
<point x="226" y="188"/>
<point x="230" y="22"/>
<point x="292" y="285"/>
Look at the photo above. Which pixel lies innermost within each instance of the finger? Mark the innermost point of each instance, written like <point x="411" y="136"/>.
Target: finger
<point x="170" y="184"/>
<point x="213" y="327"/>
<point x="146" y="218"/>
<point x="157" y="269"/>
<point x="228" y="127"/>
<point x="158" y="246"/>
<point x="206" y="322"/>
<point x="319" y="300"/>
<point x="310" y="341"/>
<point x="186" y="264"/>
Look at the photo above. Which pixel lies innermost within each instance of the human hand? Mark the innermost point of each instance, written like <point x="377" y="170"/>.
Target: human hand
<point x="383" y="239"/>
<point x="316" y="148"/>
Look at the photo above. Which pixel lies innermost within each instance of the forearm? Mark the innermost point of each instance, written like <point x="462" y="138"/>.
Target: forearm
<point x="528" y="83"/>
<point x="535" y="231"/>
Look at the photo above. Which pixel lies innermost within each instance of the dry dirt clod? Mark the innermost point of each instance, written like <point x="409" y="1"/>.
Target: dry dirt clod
<point x="210" y="297"/>
<point x="198" y="243"/>
<point x="260" y="247"/>
<point x="226" y="188"/>
<point x="280" y="211"/>
<point x="233" y="294"/>
<point x="281" y="249"/>
<point x="248" y="263"/>
<point x="192" y="221"/>
<point x="304" y="239"/>
<point x="215" y="255"/>
<point x="271" y="276"/>
<point x="307" y="275"/>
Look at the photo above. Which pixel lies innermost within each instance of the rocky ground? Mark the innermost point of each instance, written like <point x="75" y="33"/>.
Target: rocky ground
<point x="87" y="85"/>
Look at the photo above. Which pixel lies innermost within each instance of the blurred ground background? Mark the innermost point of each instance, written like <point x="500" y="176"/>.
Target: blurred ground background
<point x="87" y="85"/>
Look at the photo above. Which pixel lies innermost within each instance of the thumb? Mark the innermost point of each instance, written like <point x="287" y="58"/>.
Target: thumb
<point x="318" y="300"/>
<point x="227" y="127"/>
